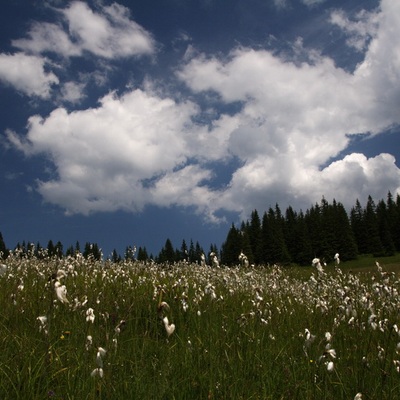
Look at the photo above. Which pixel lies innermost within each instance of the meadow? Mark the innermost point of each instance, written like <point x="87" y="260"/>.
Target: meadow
<point x="74" y="328"/>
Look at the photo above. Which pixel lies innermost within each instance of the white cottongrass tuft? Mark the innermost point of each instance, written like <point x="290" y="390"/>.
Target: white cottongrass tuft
<point x="99" y="361"/>
<point x="170" y="328"/>
<point x="330" y="366"/>
<point x="90" y="315"/>
<point x="97" y="372"/>
<point x="61" y="292"/>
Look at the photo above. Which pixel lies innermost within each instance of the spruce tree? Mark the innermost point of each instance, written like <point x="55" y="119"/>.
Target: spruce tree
<point x="167" y="253"/>
<point x="393" y="217"/>
<point x="231" y="247"/>
<point x="254" y="232"/>
<point x="345" y="243"/>
<point x="384" y="230"/>
<point x="4" y="252"/>
<point x="357" y="223"/>
<point x="374" y="244"/>
<point x="297" y="238"/>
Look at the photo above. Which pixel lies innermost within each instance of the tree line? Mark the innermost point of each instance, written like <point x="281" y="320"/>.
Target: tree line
<point x="321" y="231"/>
<point x="276" y="237"/>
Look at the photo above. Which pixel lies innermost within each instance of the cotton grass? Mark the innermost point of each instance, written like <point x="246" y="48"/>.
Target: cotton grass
<point x="196" y="331"/>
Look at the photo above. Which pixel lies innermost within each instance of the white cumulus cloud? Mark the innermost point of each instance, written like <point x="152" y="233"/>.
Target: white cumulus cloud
<point x="108" y="33"/>
<point x="284" y="122"/>
<point x="124" y="154"/>
<point x="27" y="74"/>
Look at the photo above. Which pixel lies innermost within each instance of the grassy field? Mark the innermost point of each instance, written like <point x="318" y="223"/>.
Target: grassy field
<point x="76" y="329"/>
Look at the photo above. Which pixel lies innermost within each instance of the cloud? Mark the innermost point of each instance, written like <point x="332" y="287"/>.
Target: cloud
<point x="298" y="114"/>
<point x="124" y="154"/>
<point x="360" y="30"/>
<point x="109" y="33"/>
<point x="283" y="118"/>
<point x="73" y="92"/>
<point x="27" y="74"/>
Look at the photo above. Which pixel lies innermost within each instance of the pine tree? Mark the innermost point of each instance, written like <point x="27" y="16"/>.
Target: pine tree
<point x="279" y="252"/>
<point x="383" y="228"/>
<point x="142" y="254"/>
<point x="345" y="243"/>
<point x="254" y="232"/>
<point x="374" y="244"/>
<point x="51" y="250"/>
<point x="198" y="252"/>
<point x="116" y="258"/>
<point x="231" y="247"/>
<point x="183" y="253"/>
<point x="4" y="252"/>
<point x="296" y="237"/>
<point x="393" y="217"/>
<point x="167" y="253"/>
<point x="246" y="247"/>
<point x="357" y="223"/>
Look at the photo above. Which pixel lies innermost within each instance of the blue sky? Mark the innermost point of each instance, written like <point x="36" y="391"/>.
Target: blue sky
<point x="127" y="123"/>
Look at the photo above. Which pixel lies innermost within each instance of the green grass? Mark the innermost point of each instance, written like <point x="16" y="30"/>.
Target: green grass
<point x="240" y="333"/>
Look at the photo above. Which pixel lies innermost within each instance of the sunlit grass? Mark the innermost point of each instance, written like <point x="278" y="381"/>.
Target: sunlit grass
<point x="240" y="333"/>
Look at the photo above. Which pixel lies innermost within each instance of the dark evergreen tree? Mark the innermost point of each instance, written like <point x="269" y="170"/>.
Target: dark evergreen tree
<point x="357" y="223"/>
<point x="192" y="252"/>
<point x="246" y="247"/>
<point x="130" y="253"/>
<point x="115" y="257"/>
<point x="70" y="252"/>
<point x="184" y="252"/>
<point x="198" y="252"/>
<point x="296" y="237"/>
<point x="384" y="229"/>
<point x="167" y="253"/>
<point x="254" y="232"/>
<point x="374" y="244"/>
<point x="92" y="251"/>
<point x="279" y="253"/>
<point x="4" y="252"/>
<point x="213" y="250"/>
<point x="312" y="218"/>
<point x="59" y="250"/>
<point x="51" y="250"/>
<point x="393" y="218"/>
<point x="344" y="240"/>
<point x="232" y="247"/>
<point x="39" y="251"/>
<point x="142" y="254"/>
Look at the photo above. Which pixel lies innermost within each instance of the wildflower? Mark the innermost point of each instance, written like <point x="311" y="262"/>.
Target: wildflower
<point x="328" y="336"/>
<point x="99" y="361"/>
<point x="3" y="269"/>
<point x="309" y="338"/>
<point x="90" y="315"/>
<point x="168" y="327"/>
<point x="397" y="365"/>
<point x="43" y="324"/>
<point x="337" y="259"/>
<point x="61" y="292"/>
<point x="331" y="353"/>
<point x="120" y="326"/>
<point x="97" y="371"/>
<point x="89" y="342"/>
<point x="60" y="274"/>
<point x="42" y="319"/>
<point x="161" y="307"/>
<point x="330" y="366"/>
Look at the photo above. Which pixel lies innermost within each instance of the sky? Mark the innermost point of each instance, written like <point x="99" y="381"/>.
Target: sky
<point x="126" y="123"/>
